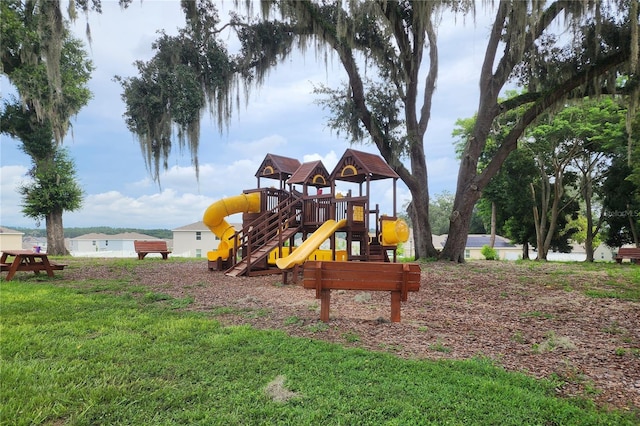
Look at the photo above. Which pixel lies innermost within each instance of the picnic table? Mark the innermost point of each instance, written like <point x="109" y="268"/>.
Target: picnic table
<point x="27" y="260"/>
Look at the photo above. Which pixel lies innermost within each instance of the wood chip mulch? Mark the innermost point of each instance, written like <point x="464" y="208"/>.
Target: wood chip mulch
<point x="533" y="319"/>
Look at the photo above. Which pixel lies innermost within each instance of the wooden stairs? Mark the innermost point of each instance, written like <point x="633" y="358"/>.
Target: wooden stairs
<point x="377" y="253"/>
<point x="243" y="266"/>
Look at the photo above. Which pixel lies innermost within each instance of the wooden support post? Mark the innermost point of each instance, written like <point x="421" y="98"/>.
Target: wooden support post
<point x="325" y="301"/>
<point x="295" y="272"/>
<point x="404" y="286"/>
<point x="395" y="306"/>
<point x="317" y="276"/>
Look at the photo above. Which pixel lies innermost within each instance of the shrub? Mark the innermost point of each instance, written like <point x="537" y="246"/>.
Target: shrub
<point x="489" y="253"/>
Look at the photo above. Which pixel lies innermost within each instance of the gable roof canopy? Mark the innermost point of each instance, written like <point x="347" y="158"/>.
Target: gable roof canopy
<point x="312" y="173"/>
<point x="277" y="167"/>
<point x="357" y="166"/>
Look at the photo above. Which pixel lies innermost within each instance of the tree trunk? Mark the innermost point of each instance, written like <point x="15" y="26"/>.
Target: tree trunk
<point x="419" y="213"/>
<point x="525" y="251"/>
<point x="540" y="220"/>
<point x="588" y="241"/>
<point x="459" y="223"/>
<point x="492" y="238"/>
<point x="541" y="229"/>
<point x="632" y="227"/>
<point x="558" y="192"/>
<point x="55" y="234"/>
<point x="553" y="221"/>
<point x="588" y="248"/>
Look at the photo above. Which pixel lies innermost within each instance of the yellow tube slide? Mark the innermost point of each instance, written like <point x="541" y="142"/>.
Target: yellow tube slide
<point x="300" y="254"/>
<point x="214" y="220"/>
<point x="394" y="232"/>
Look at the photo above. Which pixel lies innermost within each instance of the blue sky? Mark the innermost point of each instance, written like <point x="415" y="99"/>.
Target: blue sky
<point x="280" y="118"/>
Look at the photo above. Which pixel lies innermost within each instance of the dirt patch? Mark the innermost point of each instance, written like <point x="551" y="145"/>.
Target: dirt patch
<point x="536" y="320"/>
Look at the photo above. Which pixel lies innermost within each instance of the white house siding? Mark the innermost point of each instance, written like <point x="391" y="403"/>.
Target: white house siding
<point x="10" y="239"/>
<point x="506" y="250"/>
<point x="103" y="245"/>
<point x="195" y="240"/>
<point x="604" y="253"/>
<point x="504" y="253"/>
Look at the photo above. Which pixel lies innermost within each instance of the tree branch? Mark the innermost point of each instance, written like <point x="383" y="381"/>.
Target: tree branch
<point x="508" y="62"/>
<point x="430" y="82"/>
<point x="542" y="105"/>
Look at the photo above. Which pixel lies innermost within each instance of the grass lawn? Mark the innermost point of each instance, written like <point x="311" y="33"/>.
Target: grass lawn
<point x="81" y="355"/>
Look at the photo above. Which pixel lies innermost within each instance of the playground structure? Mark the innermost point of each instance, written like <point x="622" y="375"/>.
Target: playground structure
<point x="275" y="219"/>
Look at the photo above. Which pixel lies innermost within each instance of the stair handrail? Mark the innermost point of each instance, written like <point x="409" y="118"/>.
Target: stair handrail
<point x="278" y="219"/>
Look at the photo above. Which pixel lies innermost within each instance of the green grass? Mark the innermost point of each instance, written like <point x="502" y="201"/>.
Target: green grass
<point x="438" y="346"/>
<point x="537" y="314"/>
<point x="598" y="279"/>
<point x="81" y="357"/>
<point x="622" y="282"/>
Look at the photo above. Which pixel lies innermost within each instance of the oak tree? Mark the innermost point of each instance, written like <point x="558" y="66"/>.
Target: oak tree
<point x="41" y="117"/>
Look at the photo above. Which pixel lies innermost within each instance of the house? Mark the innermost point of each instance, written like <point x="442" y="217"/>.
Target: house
<point x="578" y="253"/>
<point x="28" y="243"/>
<point x="10" y="239"/>
<point x="604" y="253"/>
<point x="195" y="240"/>
<point x="473" y="249"/>
<point x="103" y="245"/>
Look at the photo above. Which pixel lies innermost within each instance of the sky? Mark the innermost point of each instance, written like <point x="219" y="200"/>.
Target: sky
<point x="280" y="118"/>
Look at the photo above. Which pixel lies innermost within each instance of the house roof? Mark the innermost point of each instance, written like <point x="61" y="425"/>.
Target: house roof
<point x="200" y="226"/>
<point x="123" y="236"/>
<point x="358" y="166"/>
<point x="476" y="241"/>
<point x="479" y="240"/>
<point x="9" y="231"/>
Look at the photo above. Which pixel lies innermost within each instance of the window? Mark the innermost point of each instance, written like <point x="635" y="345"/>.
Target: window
<point x="467" y="253"/>
<point x="198" y="235"/>
<point x="198" y="252"/>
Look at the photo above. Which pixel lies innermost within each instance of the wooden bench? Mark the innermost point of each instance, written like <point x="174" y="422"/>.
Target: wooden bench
<point x="398" y="278"/>
<point x="143" y="248"/>
<point x="632" y="253"/>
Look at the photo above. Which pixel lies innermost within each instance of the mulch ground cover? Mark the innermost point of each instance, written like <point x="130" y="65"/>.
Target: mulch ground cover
<point x="536" y="318"/>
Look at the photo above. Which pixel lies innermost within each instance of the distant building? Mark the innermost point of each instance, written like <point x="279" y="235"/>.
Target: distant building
<point x="10" y="239"/>
<point x="30" y="243"/>
<point x="604" y="253"/>
<point x="103" y="245"/>
<point x="195" y="240"/>
<point x="473" y="249"/>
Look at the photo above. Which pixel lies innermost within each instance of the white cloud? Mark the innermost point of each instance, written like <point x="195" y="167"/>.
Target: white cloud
<point x="10" y="178"/>
<point x="329" y="160"/>
<point x="259" y="147"/>
<point x="166" y="209"/>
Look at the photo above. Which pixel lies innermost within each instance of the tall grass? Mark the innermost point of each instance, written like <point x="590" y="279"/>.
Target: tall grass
<point x="71" y="356"/>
